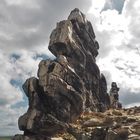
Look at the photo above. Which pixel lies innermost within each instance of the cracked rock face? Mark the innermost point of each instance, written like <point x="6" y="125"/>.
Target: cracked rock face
<point x="68" y="85"/>
<point x="114" y="96"/>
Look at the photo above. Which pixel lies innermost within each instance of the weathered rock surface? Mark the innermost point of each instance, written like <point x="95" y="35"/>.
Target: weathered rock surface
<point x="108" y="126"/>
<point x="114" y="96"/>
<point x="67" y="86"/>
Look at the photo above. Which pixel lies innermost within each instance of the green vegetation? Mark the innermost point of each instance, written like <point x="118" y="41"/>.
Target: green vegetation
<point x="5" y="138"/>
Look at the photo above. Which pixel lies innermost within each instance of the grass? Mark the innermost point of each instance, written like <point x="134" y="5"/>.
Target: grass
<point x="5" y="137"/>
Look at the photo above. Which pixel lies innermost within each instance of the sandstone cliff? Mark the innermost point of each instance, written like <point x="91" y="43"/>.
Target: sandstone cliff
<point x="67" y="86"/>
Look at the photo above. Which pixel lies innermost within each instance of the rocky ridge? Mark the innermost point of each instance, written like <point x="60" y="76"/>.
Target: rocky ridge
<point x="69" y="86"/>
<point x="113" y="124"/>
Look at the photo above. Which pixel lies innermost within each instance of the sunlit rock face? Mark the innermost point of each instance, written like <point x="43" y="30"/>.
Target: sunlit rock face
<point x="67" y="86"/>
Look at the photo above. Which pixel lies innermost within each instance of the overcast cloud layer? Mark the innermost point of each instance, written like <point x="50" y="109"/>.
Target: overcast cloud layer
<point x="25" y="27"/>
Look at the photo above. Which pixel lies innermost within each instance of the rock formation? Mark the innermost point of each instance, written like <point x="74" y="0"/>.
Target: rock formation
<point x="66" y="86"/>
<point x="122" y="124"/>
<point x="114" y="96"/>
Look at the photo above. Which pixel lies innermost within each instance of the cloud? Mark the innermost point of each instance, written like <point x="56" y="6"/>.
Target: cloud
<point x="104" y="5"/>
<point x="129" y="98"/>
<point x="9" y="120"/>
<point x="114" y="4"/>
<point x="25" y="27"/>
<point x="97" y="6"/>
<point x="29" y="24"/>
<point x="15" y="68"/>
<point x="118" y="35"/>
<point x="124" y="68"/>
<point x="9" y="93"/>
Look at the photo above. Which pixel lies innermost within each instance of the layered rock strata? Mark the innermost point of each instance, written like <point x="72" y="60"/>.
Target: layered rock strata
<point x="66" y="86"/>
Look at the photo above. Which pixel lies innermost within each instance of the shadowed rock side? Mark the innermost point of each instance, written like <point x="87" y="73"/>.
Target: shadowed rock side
<point x="66" y="86"/>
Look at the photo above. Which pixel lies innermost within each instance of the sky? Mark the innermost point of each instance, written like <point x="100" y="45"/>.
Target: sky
<point x="25" y="27"/>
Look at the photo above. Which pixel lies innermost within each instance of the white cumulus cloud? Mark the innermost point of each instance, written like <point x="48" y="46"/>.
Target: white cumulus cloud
<point x="118" y="36"/>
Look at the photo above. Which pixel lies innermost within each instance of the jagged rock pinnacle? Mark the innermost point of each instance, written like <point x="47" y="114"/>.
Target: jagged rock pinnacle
<point x="76" y="14"/>
<point x="67" y="86"/>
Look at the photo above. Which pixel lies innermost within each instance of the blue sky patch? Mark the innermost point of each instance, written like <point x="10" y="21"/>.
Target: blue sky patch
<point x="114" y="4"/>
<point x="15" y="57"/>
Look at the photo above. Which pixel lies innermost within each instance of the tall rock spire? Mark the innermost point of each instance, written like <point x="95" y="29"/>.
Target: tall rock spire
<point x="66" y="86"/>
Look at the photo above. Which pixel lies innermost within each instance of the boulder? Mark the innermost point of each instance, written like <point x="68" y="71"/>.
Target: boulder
<point x="98" y="133"/>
